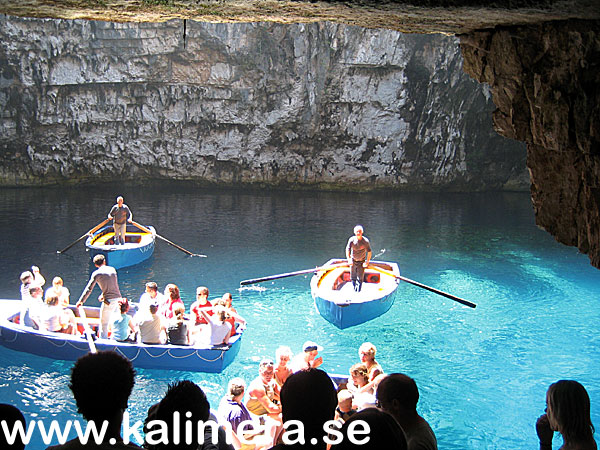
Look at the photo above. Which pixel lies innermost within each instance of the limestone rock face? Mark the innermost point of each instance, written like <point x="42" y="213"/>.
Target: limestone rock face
<point x="545" y="81"/>
<point x="317" y="105"/>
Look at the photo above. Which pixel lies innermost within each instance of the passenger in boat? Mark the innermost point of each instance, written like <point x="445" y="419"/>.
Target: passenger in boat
<point x="11" y="415"/>
<point x="28" y="279"/>
<point x="123" y="328"/>
<point x="58" y="319"/>
<point x="364" y="396"/>
<point x="358" y="253"/>
<point x="344" y="409"/>
<point x="398" y="394"/>
<point x="120" y="215"/>
<point x="218" y="328"/>
<point x="309" y="397"/>
<point x="384" y="432"/>
<point x="57" y="289"/>
<point x="568" y="412"/>
<point x="106" y="277"/>
<point x="101" y="384"/>
<point x="152" y="329"/>
<point x="283" y="356"/>
<point x="227" y="297"/>
<point x="172" y="298"/>
<point x="367" y="352"/>
<point x="263" y="393"/>
<point x="178" y="331"/>
<point x="150" y="296"/>
<point x="201" y="302"/>
<point x="233" y="318"/>
<point x="232" y="412"/>
<point x="32" y="308"/>
<point x="308" y="358"/>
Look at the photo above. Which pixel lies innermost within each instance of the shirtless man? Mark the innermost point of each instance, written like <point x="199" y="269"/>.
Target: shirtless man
<point x="263" y="392"/>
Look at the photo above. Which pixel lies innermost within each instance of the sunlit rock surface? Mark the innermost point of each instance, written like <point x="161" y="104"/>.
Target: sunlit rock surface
<point x="545" y="80"/>
<point x="305" y="105"/>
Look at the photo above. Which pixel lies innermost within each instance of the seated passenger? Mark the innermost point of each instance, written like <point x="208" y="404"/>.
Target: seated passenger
<point x="283" y="355"/>
<point x="172" y="299"/>
<point x="233" y="317"/>
<point x="57" y="289"/>
<point x="264" y="398"/>
<point x="364" y="396"/>
<point x="123" y="329"/>
<point x="233" y="412"/>
<point x="344" y="409"/>
<point x="57" y="319"/>
<point x="308" y="358"/>
<point x="201" y="302"/>
<point x="151" y="295"/>
<point x="219" y="329"/>
<point x="178" y="331"/>
<point x="152" y="329"/>
<point x="32" y="309"/>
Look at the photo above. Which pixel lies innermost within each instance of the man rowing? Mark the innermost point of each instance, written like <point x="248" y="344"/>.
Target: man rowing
<point x="120" y="215"/>
<point x="358" y="253"/>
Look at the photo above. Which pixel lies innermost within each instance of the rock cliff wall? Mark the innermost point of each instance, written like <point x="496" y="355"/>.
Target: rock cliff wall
<point x="317" y="105"/>
<point x="545" y="81"/>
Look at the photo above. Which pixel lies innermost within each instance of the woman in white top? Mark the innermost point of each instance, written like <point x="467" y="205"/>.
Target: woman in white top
<point x="57" y="289"/>
<point x="57" y="319"/>
<point x="219" y="328"/>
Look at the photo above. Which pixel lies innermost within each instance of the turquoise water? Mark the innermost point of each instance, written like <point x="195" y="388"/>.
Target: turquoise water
<point x="482" y="373"/>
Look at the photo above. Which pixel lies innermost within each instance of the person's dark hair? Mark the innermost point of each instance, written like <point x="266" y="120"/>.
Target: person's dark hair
<point x="384" y="432"/>
<point x="400" y="387"/>
<point x="570" y="405"/>
<point x="11" y="414"/>
<point x="185" y="397"/>
<point x="152" y="286"/>
<point x="52" y="300"/>
<point x="309" y="396"/>
<point x="101" y="383"/>
<point x="124" y="306"/>
<point x="99" y="260"/>
<point x="173" y="291"/>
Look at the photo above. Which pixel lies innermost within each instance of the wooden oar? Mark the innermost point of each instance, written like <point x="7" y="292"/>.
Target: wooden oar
<point x="87" y="330"/>
<point x="290" y="274"/>
<point x="89" y="233"/>
<point x="146" y="230"/>
<point x="429" y="288"/>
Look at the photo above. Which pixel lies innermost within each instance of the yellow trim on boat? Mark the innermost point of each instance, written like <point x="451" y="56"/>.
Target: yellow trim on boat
<point x="101" y="240"/>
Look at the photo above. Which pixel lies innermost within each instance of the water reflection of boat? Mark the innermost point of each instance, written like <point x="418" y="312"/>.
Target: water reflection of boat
<point x="337" y="301"/>
<point x="139" y="246"/>
<point x="67" y="347"/>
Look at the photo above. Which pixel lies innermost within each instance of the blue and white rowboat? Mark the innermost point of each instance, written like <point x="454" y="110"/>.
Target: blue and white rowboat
<point x="336" y="300"/>
<point x="138" y="247"/>
<point x="70" y="348"/>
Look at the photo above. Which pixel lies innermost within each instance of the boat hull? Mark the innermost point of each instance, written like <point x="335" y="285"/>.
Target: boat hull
<point x="339" y="304"/>
<point x="138" y="247"/>
<point x="70" y="348"/>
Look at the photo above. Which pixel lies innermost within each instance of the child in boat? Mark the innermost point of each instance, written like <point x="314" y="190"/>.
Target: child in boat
<point x="123" y="329"/>
<point x="364" y="396"/>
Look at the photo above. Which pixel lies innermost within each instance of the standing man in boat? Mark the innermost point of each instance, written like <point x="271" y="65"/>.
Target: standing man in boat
<point x="106" y="277"/>
<point x="358" y="253"/>
<point x="120" y="214"/>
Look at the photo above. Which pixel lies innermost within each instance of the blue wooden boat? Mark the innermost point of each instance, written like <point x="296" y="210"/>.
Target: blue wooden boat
<point x="70" y="348"/>
<point x="336" y="300"/>
<point x="138" y="247"/>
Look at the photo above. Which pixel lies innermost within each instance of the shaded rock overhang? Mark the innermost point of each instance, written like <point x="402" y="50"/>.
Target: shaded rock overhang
<point x="540" y="58"/>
